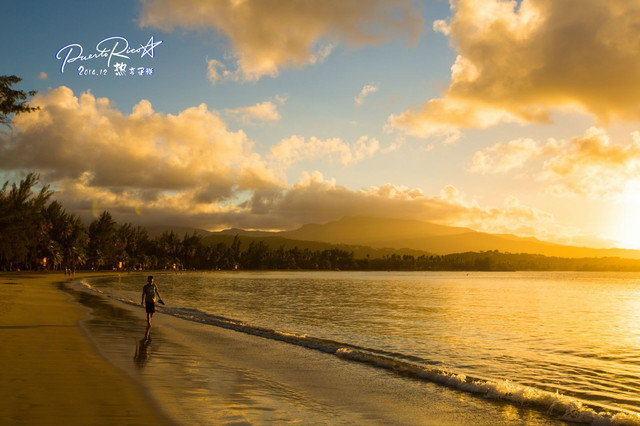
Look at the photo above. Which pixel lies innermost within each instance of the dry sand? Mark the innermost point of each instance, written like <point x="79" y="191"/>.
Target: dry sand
<point x="51" y="373"/>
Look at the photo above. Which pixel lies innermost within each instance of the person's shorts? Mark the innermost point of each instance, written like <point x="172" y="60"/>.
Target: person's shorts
<point x="151" y="307"/>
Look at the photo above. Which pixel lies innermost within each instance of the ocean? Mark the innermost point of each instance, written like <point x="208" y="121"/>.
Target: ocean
<point x="553" y="346"/>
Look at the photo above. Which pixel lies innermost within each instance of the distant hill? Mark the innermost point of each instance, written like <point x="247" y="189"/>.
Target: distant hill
<point x="379" y="236"/>
<point x="371" y="231"/>
<point x="438" y="239"/>
<point x="237" y="231"/>
<point x="156" y="230"/>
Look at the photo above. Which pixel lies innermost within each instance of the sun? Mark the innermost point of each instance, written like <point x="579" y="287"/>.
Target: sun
<point x="626" y="229"/>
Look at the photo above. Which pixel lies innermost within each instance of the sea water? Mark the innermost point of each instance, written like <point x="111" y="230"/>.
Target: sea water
<point x="567" y="344"/>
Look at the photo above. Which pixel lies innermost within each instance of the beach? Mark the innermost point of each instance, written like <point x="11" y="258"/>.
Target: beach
<point x="51" y="371"/>
<point x="74" y="357"/>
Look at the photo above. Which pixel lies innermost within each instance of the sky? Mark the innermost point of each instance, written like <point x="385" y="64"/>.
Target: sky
<point x="515" y="117"/>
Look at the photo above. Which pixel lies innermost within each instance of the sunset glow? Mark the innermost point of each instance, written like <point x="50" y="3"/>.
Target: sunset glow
<point x="626" y="230"/>
<point x="272" y="115"/>
<point x="272" y="212"/>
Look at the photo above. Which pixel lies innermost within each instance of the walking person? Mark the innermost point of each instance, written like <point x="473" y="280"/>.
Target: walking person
<point x="149" y="293"/>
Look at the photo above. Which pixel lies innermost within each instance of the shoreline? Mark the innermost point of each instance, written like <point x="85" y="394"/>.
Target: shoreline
<point x="205" y="374"/>
<point x="53" y="373"/>
<point x="69" y="355"/>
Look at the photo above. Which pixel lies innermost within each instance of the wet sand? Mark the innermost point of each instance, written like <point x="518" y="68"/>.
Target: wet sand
<point x="52" y="373"/>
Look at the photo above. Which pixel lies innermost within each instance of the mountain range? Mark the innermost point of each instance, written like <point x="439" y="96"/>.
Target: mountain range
<point x="378" y="236"/>
<point x="397" y="234"/>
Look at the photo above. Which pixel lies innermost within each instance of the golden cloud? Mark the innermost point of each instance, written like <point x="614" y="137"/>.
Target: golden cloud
<point x="84" y="136"/>
<point x="267" y="35"/>
<point x="519" y="61"/>
<point x="442" y="118"/>
<point x="263" y="111"/>
<point x="515" y="218"/>
<point x="296" y="148"/>
<point x="589" y="165"/>
<point x="504" y="157"/>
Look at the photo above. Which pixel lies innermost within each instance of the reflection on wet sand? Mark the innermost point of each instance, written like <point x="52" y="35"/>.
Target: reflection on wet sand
<point x="143" y="350"/>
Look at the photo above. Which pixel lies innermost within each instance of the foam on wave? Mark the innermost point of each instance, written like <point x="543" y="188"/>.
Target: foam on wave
<point x="555" y="404"/>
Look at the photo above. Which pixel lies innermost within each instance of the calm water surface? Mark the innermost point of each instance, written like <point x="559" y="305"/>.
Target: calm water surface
<point x="573" y="333"/>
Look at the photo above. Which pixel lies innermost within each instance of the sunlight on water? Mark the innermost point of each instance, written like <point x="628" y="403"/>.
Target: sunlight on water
<point x="574" y="334"/>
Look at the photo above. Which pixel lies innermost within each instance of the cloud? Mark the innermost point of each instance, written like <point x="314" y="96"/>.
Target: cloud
<point x="366" y="90"/>
<point x="501" y="157"/>
<point x="316" y="200"/>
<point x="443" y="118"/>
<point x="43" y="76"/>
<point x="85" y="137"/>
<point x="216" y="71"/>
<point x="281" y="99"/>
<point x="515" y="218"/>
<point x="441" y="26"/>
<point x="589" y="165"/>
<point x="296" y="148"/>
<point x="190" y="169"/>
<point x="264" y="111"/>
<point x="268" y="35"/>
<point x="313" y="199"/>
<point x="518" y="61"/>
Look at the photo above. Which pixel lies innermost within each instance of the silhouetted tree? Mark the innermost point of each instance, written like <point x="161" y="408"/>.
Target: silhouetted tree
<point x="102" y="243"/>
<point x="139" y="248"/>
<point x="256" y="255"/>
<point x="67" y="239"/>
<point x="22" y="227"/>
<point x="13" y="101"/>
<point x="168" y="246"/>
<point x="190" y="247"/>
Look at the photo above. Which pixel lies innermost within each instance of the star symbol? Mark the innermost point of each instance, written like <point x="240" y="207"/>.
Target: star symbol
<point x="148" y="49"/>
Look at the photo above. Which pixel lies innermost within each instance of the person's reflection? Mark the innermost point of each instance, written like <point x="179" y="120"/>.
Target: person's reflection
<point x="143" y="350"/>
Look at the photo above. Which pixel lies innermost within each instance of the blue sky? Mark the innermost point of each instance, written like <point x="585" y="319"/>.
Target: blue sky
<point x="489" y="114"/>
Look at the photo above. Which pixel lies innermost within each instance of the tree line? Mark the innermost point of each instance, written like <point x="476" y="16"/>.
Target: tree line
<point x="39" y="234"/>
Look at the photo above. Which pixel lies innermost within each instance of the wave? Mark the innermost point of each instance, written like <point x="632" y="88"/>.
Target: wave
<point x="557" y="405"/>
<point x="88" y="286"/>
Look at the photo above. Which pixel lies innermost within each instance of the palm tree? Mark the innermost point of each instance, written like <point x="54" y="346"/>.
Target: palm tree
<point x="67" y="237"/>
